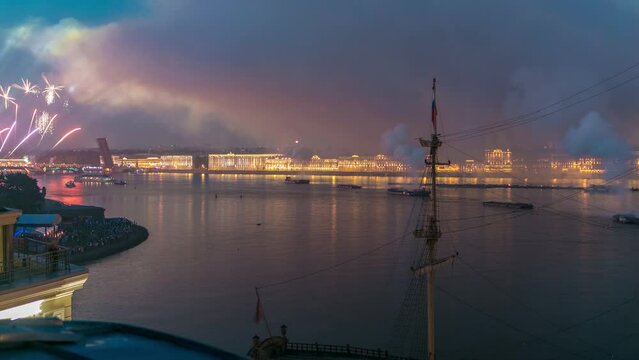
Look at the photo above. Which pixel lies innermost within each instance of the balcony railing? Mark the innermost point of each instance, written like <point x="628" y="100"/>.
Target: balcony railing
<point x="344" y="350"/>
<point x="33" y="258"/>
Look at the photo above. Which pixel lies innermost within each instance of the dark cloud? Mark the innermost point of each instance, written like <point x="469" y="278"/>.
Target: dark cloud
<point x="144" y="128"/>
<point x="337" y="74"/>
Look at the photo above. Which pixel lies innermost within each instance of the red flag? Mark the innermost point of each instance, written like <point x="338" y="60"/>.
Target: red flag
<point x="434" y="110"/>
<point x="259" y="311"/>
<point x="434" y="115"/>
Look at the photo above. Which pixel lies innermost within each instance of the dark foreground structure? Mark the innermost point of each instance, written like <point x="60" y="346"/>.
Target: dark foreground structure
<point x="278" y="347"/>
<point x="56" y="339"/>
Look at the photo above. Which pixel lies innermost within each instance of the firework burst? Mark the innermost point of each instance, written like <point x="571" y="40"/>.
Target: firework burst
<point x="50" y="91"/>
<point x="27" y="87"/>
<point x="4" y="93"/>
<point x="43" y="123"/>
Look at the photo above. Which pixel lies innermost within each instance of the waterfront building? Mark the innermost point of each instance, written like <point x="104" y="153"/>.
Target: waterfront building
<point x="498" y="160"/>
<point x="377" y="163"/>
<point x="22" y="165"/>
<point x="15" y="162"/>
<point x="582" y="165"/>
<point x="449" y="169"/>
<point x="319" y="164"/>
<point x="282" y="164"/>
<point x="137" y="161"/>
<point x="520" y="165"/>
<point x="172" y="162"/>
<point x="472" y="167"/>
<point x="176" y="162"/>
<point x="354" y="163"/>
<point x="246" y="162"/>
<point x="36" y="279"/>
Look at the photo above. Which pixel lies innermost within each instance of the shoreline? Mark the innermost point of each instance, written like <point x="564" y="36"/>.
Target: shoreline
<point x="126" y="242"/>
<point x="537" y="181"/>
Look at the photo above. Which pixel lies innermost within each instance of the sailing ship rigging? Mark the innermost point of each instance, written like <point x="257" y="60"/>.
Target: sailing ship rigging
<point x="428" y="233"/>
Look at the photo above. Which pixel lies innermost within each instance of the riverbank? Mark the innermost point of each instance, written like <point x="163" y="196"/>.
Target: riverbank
<point x="127" y="241"/>
<point x="139" y="235"/>
<point x="93" y="239"/>
<point x="71" y="212"/>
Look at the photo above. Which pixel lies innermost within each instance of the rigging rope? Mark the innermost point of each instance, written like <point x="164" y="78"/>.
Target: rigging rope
<point x="509" y="324"/>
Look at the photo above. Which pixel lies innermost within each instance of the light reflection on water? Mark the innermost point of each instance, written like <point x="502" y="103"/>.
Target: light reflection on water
<point x="196" y="273"/>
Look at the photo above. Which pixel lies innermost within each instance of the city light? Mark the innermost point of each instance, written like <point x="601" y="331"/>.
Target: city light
<point x="280" y="162"/>
<point x="22" y="311"/>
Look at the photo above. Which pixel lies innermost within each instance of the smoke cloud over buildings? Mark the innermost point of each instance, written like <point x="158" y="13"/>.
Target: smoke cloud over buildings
<point x="594" y="136"/>
<point x="335" y="73"/>
<point x="398" y="143"/>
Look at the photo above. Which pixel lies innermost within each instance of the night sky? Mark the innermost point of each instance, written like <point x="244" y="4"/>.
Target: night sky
<point x="336" y="75"/>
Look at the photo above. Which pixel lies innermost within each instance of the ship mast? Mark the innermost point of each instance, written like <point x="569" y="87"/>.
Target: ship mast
<point x="429" y="229"/>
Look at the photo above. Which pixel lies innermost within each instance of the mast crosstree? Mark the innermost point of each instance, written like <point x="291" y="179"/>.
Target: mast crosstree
<point x="428" y="228"/>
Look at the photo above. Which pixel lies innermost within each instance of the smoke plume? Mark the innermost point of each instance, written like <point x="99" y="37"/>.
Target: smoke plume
<point x="398" y="143"/>
<point x="596" y="137"/>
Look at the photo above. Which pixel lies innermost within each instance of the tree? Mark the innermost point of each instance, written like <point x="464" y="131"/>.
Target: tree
<point x="21" y="192"/>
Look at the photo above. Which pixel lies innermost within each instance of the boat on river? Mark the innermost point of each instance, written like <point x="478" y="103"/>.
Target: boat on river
<point x="348" y="186"/>
<point x="626" y="219"/>
<point x="598" y="189"/>
<point x="70" y="184"/>
<point x="423" y="192"/>
<point x="290" y="180"/>
<point x="94" y="178"/>
<point x="119" y="182"/>
<point x="510" y="205"/>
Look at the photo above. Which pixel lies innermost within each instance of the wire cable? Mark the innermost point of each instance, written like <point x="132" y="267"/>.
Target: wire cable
<point x="508" y="324"/>
<point x="506" y="126"/>
<point x="558" y="102"/>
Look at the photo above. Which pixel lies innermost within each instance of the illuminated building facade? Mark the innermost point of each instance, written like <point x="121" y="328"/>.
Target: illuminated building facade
<point x="34" y="282"/>
<point x="319" y="164"/>
<point x="15" y="165"/>
<point x="139" y="162"/>
<point x="449" y="169"/>
<point x="377" y="163"/>
<point x="279" y="162"/>
<point x="498" y="160"/>
<point x="172" y="162"/>
<point x="247" y="162"/>
<point x="176" y="162"/>
<point x="583" y="165"/>
<point x="14" y="162"/>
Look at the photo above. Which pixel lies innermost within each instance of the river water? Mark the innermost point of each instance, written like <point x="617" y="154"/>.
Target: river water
<point x="558" y="282"/>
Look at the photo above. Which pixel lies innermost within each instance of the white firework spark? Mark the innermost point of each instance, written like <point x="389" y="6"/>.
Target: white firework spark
<point x="43" y="123"/>
<point x="27" y="87"/>
<point x="64" y="137"/>
<point x="22" y="142"/>
<point x="4" y="93"/>
<point x="50" y="91"/>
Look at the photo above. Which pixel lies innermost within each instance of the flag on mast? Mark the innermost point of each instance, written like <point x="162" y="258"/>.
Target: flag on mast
<point x="434" y="109"/>
<point x="434" y="115"/>
<point x="259" y="309"/>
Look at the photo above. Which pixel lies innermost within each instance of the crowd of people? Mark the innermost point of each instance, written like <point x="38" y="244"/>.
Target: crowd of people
<point x="88" y="233"/>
